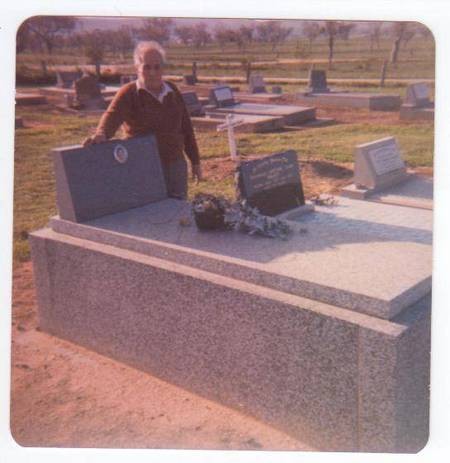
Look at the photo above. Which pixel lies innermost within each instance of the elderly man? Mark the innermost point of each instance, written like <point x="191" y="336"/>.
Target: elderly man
<point x="151" y="105"/>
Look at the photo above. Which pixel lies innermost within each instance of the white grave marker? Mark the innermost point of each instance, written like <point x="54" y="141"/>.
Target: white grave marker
<point x="230" y="123"/>
<point x="379" y="165"/>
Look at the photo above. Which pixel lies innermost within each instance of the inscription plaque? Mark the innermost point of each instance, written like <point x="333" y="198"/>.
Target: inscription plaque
<point x="386" y="159"/>
<point x="273" y="183"/>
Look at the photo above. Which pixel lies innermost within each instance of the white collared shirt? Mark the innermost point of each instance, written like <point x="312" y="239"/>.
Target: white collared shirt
<point x="160" y="97"/>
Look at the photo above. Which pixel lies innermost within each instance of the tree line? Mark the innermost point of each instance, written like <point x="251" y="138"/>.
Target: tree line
<point x="48" y="33"/>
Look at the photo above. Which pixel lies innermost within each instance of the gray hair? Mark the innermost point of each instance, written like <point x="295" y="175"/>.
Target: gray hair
<point x="143" y="47"/>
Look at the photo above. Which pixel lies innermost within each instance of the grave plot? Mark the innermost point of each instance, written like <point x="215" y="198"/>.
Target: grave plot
<point x="418" y="105"/>
<point x="257" y="92"/>
<point x="24" y="99"/>
<point x="381" y="175"/>
<point x="325" y="335"/>
<point x="223" y="102"/>
<point x="249" y="123"/>
<point x="319" y="93"/>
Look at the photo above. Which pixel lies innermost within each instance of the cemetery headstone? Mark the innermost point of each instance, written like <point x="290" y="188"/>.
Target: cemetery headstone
<point x="317" y="81"/>
<point x="189" y="79"/>
<point x="194" y="107"/>
<point x="127" y="79"/>
<point x="418" y="95"/>
<point x="106" y="178"/>
<point x="221" y="96"/>
<point x="66" y="79"/>
<point x="272" y="183"/>
<point x="378" y="164"/>
<point x="88" y="94"/>
<point x="256" y="84"/>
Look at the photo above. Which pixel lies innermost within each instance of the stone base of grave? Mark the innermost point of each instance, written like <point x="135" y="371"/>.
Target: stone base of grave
<point x="371" y="101"/>
<point x="256" y="324"/>
<point x="252" y="124"/>
<point x="413" y="113"/>
<point x="65" y="93"/>
<point x="257" y="97"/>
<point x="292" y="115"/>
<point x="23" y="99"/>
<point x="414" y="191"/>
<point x="297" y="213"/>
<point x="202" y="90"/>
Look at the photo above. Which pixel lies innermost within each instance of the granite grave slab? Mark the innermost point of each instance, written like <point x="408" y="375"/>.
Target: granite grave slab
<point x="381" y="175"/>
<point x="222" y="101"/>
<point x="325" y="335"/>
<point x="318" y="93"/>
<point x="88" y="94"/>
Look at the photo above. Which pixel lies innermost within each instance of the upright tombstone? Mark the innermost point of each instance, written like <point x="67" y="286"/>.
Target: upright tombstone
<point x="272" y="184"/>
<point x="107" y="178"/>
<point x="66" y="79"/>
<point x="189" y="79"/>
<point x="256" y="84"/>
<point x="194" y="107"/>
<point x="378" y="165"/>
<point x="88" y="94"/>
<point x="221" y="96"/>
<point x="418" y="95"/>
<point x="418" y="105"/>
<point x="317" y="81"/>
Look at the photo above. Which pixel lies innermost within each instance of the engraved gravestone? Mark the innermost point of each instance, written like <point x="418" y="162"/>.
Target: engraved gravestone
<point x="88" y="94"/>
<point x="106" y="178"/>
<point x="66" y="79"/>
<point x="193" y="104"/>
<point x="272" y="184"/>
<point x="222" y="97"/>
<point x="256" y="84"/>
<point x="317" y="81"/>
<point x="418" y="95"/>
<point x="378" y="164"/>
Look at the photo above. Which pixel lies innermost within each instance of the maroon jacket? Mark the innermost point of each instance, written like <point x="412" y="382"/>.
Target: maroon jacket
<point x="140" y="113"/>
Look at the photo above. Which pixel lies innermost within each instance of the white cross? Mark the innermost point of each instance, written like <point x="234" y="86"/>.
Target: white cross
<point x="228" y="125"/>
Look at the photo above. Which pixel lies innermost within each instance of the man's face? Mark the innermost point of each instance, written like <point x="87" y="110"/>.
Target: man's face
<point x="150" y="70"/>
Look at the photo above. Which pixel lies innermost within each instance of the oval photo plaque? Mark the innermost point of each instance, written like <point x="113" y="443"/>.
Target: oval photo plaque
<point x="120" y="154"/>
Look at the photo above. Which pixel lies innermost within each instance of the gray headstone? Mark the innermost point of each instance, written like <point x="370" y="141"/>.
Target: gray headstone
<point x="106" y="178"/>
<point x="256" y="84"/>
<point x="127" y="78"/>
<point x="378" y="164"/>
<point x="272" y="183"/>
<point x="190" y="79"/>
<point x="88" y="93"/>
<point x="193" y="104"/>
<point x="317" y="81"/>
<point x="66" y="79"/>
<point x="222" y="96"/>
<point x="418" y="94"/>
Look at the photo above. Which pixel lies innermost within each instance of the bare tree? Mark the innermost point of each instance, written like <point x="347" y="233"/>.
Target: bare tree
<point x="94" y="44"/>
<point x="22" y="37"/>
<point x="224" y="36"/>
<point x="244" y="36"/>
<point x="184" y="33"/>
<point x="330" y="30"/>
<point x="48" y="29"/>
<point x="311" y="29"/>
<point x="344" y="30"/>
<point x="375" y="34"/>
<point x="200" y="35"/>
<point x="399" y="30"/>
<point x="273" y="32"/>
<point x="158" y="29"/>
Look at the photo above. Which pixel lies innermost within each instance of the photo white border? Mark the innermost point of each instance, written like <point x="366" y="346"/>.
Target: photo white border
<point x="433" y="13"/>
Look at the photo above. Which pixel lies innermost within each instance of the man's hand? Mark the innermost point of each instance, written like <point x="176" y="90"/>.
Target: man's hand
<point x="94" y="139"/>
<point x="197" y="173"/>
